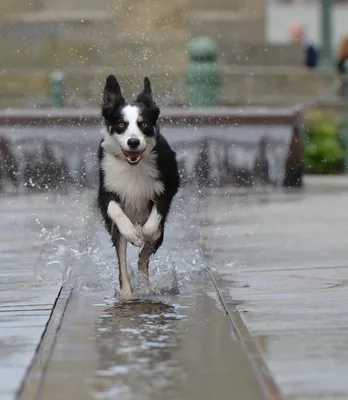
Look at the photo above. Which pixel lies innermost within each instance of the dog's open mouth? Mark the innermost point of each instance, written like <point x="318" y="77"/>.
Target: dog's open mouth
<point x="133" y="157"/>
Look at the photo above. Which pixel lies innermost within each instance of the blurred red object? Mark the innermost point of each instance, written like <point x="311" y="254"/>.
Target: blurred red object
<point x="296" y="32"/>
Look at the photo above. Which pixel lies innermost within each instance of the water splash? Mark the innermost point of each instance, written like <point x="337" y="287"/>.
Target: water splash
<point x="87" y="261"/>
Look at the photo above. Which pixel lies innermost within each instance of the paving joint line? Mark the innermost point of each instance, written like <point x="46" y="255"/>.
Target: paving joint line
<point x="268" y="385"/>
<point x="16" y="310"/>
<point x="32" y="381"/>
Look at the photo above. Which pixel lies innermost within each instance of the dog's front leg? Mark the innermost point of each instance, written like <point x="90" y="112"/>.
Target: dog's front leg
<point x="124" y="225"/>
<point x="151" y="232"/>
<point x="151" y="229"/>
<point x="144" y="258"/>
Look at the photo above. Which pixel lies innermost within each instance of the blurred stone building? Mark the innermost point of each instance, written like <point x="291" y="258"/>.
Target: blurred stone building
<point x="87" y="39"/>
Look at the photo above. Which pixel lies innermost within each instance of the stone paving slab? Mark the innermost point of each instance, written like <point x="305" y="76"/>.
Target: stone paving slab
<point x="29" y="284"/>
<point x="18" y="345"/>
<point x="11" y="378"/>
<point x="6" y="395"/>
<point x="286" y="264"/>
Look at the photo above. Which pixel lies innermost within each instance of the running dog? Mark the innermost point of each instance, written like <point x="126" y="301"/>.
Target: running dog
<point x="138" y="174"/>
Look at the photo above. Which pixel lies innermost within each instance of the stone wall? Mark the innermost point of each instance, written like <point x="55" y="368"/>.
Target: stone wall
<point x="88" y="39"/>
<point x="50" y="159"/>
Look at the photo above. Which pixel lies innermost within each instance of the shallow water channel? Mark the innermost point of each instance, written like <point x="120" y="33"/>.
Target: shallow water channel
<point x="162" y="348"/>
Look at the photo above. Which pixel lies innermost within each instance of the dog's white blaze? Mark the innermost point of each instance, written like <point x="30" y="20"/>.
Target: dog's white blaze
<point x="131" y="115"/>
<point x="135" y="184"/>
<point x="151" y="227"/>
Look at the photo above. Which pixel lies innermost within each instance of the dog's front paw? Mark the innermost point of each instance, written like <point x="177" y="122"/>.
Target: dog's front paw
<point x="151" y="233"/>
<point x="132" y="235"/>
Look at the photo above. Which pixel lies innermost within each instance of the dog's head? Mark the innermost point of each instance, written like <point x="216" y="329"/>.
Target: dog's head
<point x="131" y="126"/>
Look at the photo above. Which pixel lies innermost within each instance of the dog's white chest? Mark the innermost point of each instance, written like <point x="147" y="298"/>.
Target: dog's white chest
<point x="135" y="184"/>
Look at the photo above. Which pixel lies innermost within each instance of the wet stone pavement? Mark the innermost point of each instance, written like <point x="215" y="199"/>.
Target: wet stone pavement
<point x="29" y="282"/>
<point x="280" y="257"/>
<point x="284" y="258"/>
<point x="99" y="347"/>
<point x="166" y="348"/>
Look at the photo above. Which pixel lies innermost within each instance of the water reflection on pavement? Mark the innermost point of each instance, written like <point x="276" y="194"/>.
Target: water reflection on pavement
<point x="171" y="347"/>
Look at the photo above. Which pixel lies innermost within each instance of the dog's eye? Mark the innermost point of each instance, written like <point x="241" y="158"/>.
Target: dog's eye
<point x="121" y="125"/>
<point x="144" y="125"/>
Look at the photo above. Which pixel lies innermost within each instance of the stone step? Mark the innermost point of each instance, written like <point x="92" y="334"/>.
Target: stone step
<point x="66" y="53"/>
<point x="162" y="22"/>
<point x="40" y="27"/>
<point x="262" y="54"/>
<point x="23" y="87"/>
<point x="250" y="6"/>
<point x="277" y="80"/>
<point x="75" y="5"/>
<point x="223" y="5"/>
<point x="18" y="6"/>
<point x="30" y="87"/>
<point x="237" y="27"/>
<point x="280" y="101"/>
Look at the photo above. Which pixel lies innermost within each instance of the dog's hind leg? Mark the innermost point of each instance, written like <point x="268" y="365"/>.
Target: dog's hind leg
<point x="121" y="251"/>
<point x="144" y="258"/>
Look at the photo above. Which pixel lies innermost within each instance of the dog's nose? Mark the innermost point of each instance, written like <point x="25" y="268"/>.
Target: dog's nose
<point x="133" y="143"/>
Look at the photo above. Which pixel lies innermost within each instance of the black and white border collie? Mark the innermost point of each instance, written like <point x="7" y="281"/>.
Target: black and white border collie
<point x="138" y="176"/>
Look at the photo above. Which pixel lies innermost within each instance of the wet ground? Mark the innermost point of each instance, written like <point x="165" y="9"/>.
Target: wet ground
<point x="285" y="257"/>
<point x="283" y="262"/>
<point x="32" y="228"/>
<point x="98" y="347"/>
<point x="165" y="348"/>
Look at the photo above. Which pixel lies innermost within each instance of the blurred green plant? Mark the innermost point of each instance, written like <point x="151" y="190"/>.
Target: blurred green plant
<point x="324" y="149"/>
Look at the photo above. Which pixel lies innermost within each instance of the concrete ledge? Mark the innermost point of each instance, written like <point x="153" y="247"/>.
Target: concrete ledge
<point x="169" y="116"/>
<point x="208" y="158"/>
<point x="32" y="381"/>
<point x="261" y="370"/>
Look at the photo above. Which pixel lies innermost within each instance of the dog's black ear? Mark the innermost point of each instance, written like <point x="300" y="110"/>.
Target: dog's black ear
<point x="112" y="95"/>
<point x="147" y="86"/>
<point x="145" y="96"/>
